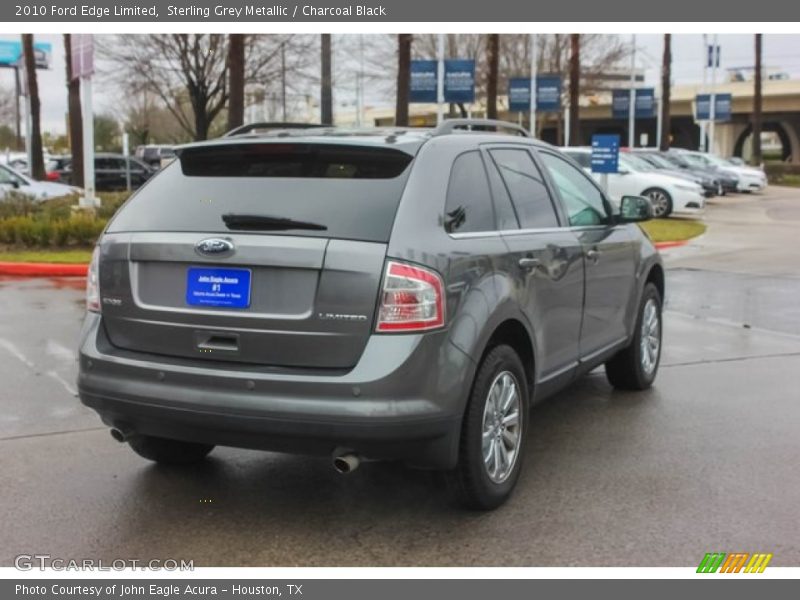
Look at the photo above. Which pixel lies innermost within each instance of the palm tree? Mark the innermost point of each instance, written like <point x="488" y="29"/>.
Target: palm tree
<point x="666" y="82"/>
<point x="403" y="78"/>
<point x="493" y="58"/>
<point x="326" y="81"/>
<point x="37" y="160"/>
<point x="236" y="80"/>
<point x="75" y="116"/>
<point x="574" y="89"/>
<point x="757" y="106"/>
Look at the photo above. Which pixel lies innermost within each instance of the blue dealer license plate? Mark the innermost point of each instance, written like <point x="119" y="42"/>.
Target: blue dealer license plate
<point x="228" y="288"/>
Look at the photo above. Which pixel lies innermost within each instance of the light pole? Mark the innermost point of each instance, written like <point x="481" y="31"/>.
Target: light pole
<point x="534" y="57"/>
<point x="632" y="97"/>
<point x="712" y="110"/>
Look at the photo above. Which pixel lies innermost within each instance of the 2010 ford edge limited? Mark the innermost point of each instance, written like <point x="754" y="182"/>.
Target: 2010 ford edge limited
<point x="389" y="294"/>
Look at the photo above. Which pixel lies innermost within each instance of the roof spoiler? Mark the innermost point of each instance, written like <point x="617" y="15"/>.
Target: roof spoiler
<point x="250" y="127"/>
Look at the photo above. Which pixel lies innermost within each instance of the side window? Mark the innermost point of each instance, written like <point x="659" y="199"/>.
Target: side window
<point x="469" y="203"/>
<point x="526" y="187"/>
<point x="503" y="209"/>
<point x="582" y="200"/>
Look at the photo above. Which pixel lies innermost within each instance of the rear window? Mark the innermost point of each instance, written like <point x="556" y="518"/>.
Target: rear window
<point x="352" y="191"/>
<point x="293" y="160"/>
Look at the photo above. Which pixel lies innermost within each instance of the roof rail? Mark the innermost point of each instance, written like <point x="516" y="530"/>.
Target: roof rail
<point x="249" y="127"/>
<point x="450" y="125"/>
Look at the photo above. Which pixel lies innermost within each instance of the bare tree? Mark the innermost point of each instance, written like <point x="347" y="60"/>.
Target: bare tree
<point x="186" y="71"/>
<point x="574" y="89"/>
<point x="6" y="105"/>
<point x="148" y="121"/>
<point x="289" y="61"/>
<point x="37" y="159"/>
<point x="493" y="60"/>
<point x="236" y="76"/>
<point x="75" y="117"/>
<point x="666" y="88"/>
<point x="326" y="81"/>
<point x="403" y="78"/>
<point x="757" y="105"/>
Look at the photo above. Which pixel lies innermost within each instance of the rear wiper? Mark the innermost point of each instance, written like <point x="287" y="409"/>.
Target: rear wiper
<point x="267" y="223"/>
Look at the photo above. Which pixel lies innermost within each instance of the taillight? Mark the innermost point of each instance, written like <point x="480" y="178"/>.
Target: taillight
<point x="412" y="299"/>
<point x="93" y="283"/>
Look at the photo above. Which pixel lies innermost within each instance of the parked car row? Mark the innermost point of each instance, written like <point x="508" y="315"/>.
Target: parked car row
<point x="637" y="177"/>
<point x="675" y="181"/>
<point x="110" y="171"/>
<point x="750" y="179"/>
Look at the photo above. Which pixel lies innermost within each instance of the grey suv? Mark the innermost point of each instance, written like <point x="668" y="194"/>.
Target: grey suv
<point x="386" y="294"/>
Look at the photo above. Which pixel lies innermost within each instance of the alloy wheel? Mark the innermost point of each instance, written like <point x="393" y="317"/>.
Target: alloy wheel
<point x="502" y="427"/>
<point x="660" y="202"/>
<point x="650" y="342"/>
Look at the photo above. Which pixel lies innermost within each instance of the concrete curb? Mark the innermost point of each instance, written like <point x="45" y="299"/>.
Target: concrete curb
<point x="22" y="269"/>
<point x="665" y="245"/>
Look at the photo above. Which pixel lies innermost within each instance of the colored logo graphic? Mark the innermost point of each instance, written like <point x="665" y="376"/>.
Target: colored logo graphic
<point x="737" y="562"/>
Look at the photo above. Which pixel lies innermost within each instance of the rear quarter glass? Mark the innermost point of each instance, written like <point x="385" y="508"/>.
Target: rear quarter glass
<point x="353" y="191"/>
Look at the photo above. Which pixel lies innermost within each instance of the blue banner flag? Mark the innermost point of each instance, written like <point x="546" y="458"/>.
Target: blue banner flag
<point x="459" y="81"/>
<point x="423" y="81"/>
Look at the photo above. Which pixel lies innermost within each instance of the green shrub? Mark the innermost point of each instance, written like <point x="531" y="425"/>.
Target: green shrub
<point x="54" y="223"/>
<point x="778" y="172"/>
<point x="60" y="233"/>
<point x="14" y="204"/>
<point x="31" y="232"/>
<point x="110" y="203"/>
<point x="85" y="229"/>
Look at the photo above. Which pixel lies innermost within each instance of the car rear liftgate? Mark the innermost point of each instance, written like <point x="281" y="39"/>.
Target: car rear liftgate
<point x="254" y="252"/>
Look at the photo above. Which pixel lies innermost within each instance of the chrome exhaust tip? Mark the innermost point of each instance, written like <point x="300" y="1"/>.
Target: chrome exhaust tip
<point x="345" y="462"/>
<point x="119" y="435"/>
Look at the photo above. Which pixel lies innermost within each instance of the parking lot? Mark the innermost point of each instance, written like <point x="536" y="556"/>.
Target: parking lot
<point x="704" y="461"/>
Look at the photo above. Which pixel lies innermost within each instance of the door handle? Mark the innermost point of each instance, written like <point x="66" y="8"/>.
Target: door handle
<point x="593" y="255"/>
<point x="529" y="263"/>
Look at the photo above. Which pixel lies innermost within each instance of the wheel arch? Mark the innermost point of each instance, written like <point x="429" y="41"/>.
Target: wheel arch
<point x="656" y="276"/>
<point x="513" y="333"/>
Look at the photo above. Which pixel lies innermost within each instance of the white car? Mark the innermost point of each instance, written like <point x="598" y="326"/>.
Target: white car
<point x="14" y="181"/>
<point x="636" y="177"/>
<point x="751" y="179"/>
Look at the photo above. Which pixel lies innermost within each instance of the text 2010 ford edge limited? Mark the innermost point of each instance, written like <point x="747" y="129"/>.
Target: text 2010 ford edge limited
<point x="388" y="294"/>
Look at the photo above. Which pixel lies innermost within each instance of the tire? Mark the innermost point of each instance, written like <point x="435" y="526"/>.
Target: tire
<point x="472" y="481"/>
<point x="169" y="452"/>
<point x="661" y="201"/>
<point x="635" y="367"/>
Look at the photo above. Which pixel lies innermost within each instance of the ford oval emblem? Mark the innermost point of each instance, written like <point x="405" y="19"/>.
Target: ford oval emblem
<point x="214" y="247"/>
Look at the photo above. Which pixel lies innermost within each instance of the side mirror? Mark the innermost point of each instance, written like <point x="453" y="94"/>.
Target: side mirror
<point x="634" y="209"/>
<point x="622" y="171"/>
<point x="15" y="184"/>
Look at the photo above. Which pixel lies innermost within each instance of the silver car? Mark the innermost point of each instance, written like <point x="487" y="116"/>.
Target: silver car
<point x="382" y="294"/>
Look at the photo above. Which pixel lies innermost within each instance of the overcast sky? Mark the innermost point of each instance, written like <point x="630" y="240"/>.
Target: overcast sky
<point x="781" y="52"/>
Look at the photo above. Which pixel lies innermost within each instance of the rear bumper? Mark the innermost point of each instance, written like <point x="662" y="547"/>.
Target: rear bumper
<point x="392" y="405"/>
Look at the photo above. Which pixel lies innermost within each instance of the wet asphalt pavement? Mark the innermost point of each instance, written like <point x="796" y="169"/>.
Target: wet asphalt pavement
<point x="705" y="461"/>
